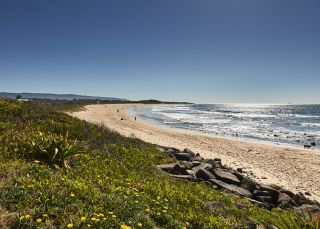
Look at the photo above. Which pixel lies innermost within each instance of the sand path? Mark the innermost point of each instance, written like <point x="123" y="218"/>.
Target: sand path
<point x="293" y="168"/>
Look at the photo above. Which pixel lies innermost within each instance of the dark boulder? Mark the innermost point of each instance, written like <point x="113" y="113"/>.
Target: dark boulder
<point x="202" y="166"/>
<point x="265" y="199"/>
<point x="289" y="193"/>
<point x="313" y="144"/>
<point x="300" y="199"/>
<point x="162" y="149"/>
<point x="189" y="152"/>
<point x="273" y="192"/>
<point x="204" y="174"/>
<point x="248" y="184"/>
<point x="184" y="177"/>
<point x="307" y="146"/>
<point x="260" y="204"/>
<point x="173" y="151"/>
<point x="232" y="188"/>
<point x="183" y="156"/>
<point x="285" y="201"/>
<point x="252" y="225"/>
<point x="196" y="163"/>
<point x="197" y="158"/>
<point x="187" y="164"/>
<point x="166" y="167"/>
<point x="179" y="170"/>
<point x="226" y="176"/>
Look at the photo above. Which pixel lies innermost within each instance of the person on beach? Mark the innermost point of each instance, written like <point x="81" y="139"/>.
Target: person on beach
<point x="135" y="118"/>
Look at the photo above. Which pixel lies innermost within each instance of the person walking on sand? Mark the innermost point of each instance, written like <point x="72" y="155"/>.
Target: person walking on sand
<point x="135" y="118"/>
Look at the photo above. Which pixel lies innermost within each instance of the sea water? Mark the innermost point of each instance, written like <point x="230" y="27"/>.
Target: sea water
<point x="297" y="125"/>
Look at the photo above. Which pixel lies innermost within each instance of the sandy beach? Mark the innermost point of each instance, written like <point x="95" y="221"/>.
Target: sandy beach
<point x="292" y="168"/>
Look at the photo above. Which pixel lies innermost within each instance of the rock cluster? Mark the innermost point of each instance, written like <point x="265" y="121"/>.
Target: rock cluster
<point x="193" y="167"/>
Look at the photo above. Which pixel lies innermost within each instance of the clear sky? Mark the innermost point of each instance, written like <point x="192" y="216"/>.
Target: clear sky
<point x="206" y="51"/>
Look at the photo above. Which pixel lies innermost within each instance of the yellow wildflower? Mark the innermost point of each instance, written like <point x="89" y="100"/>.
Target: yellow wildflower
<point x="125" y="227"/>
<point x="72" y="194"/>
<point x="39" y="220"/>
<point x="36" y="161"/>
<point x="164" y="211"/>
<point x="110" y="213"/>
<point x="158" y="213"/>
<point x="114" y="216"/>
<point x="139" y="224"/>
<point x="45" y="215"/>
<point x="83" y="218"/>
<point x="89" y="225"/>
<point x="28" y="216"/>
<point x="70" y="225"/>
<point x="93" y="219"/>
<point x="21" y="217"/>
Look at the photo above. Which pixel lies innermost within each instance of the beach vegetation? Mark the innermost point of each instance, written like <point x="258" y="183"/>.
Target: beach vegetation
<point x="61" y="172"/>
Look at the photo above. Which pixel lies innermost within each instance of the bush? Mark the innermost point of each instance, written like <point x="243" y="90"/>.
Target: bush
<point x="54" y="150"/>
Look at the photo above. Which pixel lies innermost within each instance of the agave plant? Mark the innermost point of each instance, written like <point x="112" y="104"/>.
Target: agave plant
<point x="55" y="150"/>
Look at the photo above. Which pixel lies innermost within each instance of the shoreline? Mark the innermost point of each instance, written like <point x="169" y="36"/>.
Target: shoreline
<point x="231" y="138"/>
<point x="291" y="167"/>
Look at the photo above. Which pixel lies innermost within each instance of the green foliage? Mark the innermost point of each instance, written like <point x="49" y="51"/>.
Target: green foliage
<point x="54" y="150"/>
<point x="286" y="219"/>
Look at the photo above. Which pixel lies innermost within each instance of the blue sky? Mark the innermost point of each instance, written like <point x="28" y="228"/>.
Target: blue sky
<point x="206" y="51"/>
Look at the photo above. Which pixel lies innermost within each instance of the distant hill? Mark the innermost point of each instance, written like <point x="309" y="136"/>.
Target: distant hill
<point x="55" y="96"/>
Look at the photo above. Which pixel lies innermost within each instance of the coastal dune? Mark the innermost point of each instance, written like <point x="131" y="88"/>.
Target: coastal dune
<point x="292" y="168"/>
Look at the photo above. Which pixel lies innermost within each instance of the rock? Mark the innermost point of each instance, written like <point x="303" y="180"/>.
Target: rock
<point x="313" y="144"/>
<point x="238" y="175"/>
<point x="300" y="199"/>
<point x="226" y="176"/>
<point x="196" y="163"/>
<point x="166" y="167"/>
<point x="273" y="192"/>
<point x="179" y="170"/>
<point x="183" y="156"/>
<point x="197" y="158"/>
<point x="307" y="193"/>
<point x="184" y="177"/>
<point x="251" y="225"/>
<point x="248" y="184"/>
<point x="202" y="166"/>
<point x="204" y="174"/>
<point x="187" y="164"/>
<point x="307" y="146"/>
<point x="232" y="188"/>
<point x="162" y="149"/>
<point x="276" y="187"/>
<point x="285" y="201"/>
<point x="260" y="193"/>
<point x="289" y="193"/>
<point x="308" y="210"/>
<point x="192" y="173"/>
<point x="260" y="204"/>
<point x="265" y="199"/>
<point x="239" y="170"/>
<point x="189" y="152"/>
<point x="173" y="151"/>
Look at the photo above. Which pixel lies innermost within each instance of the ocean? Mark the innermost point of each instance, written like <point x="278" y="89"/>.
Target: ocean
<point x="296" y="125"/>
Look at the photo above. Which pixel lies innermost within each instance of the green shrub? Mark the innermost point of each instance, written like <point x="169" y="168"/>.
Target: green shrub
<point x="54" y="150"/>
<point x="288" y="219"/>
